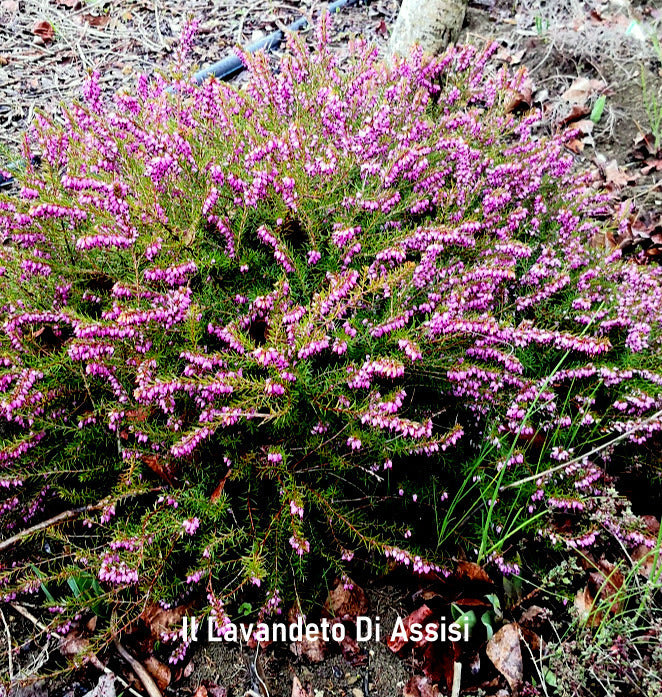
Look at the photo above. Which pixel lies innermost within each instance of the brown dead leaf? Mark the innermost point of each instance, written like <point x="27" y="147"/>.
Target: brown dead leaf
<point x="576" y="112"/>
<point x="585" y="126"/>
<point x="216" y="494"/>
<point x="652" y="165"/>
<point x="162" y="468"/>
<point x="534" y="617"/>
<point x="645" y="558"/>
<point x="522" y="99"/>
<point x="615" y="177"/>
<point x="160" y="620"/>
<point x="312" y="646"/>
<point x="74" y="643"/>
<point x="467" y="571"/>
<point x="44" y="31"/>
<point x="506" y="56"/>
<point x="532" y="639"/>
<point x="352" y="651"/>
<point x="472" y="602"/>
<point x="575" y="146"/>
<point x="644" y="555"/>
<point x="581" y="89"/>
<point x="605" y="584"/>
<point x="438" y="661"/>
<point x="504" y="650"/>
<point x="346" y="603"/>
<point x="397" y="643"/>
<point x="644" y="147"/>
<point x="584" y="607"/>
<point x="381" y="28"/>
<point x="298" y="689"/>
<point x="201" y="692"/>
<point x="97" y="21"/>
<point x="428" y="594"/>
<point x="420" y="686"/>
<point x="159" y="671"/>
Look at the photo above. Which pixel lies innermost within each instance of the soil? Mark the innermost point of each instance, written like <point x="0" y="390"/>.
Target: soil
<point x="376" y="672"/>
<point x="48" y="46"/>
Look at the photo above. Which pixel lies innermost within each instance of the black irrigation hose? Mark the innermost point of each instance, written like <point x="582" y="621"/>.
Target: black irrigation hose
<point x="232" y="65"/>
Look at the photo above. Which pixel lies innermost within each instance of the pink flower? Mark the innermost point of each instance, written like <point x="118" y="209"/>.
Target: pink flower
<point x="191" y="525"/>
<point x="354" y="443"/>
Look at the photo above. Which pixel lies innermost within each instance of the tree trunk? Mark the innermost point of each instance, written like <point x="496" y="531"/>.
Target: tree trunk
<point x="432" y="24"/>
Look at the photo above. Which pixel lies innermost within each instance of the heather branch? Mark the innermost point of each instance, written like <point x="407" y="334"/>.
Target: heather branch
<point x="581" y="458"/>
<point x="44" y="525"/>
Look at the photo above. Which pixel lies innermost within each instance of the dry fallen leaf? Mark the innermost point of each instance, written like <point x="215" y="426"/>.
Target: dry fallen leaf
<point x="44" y="31"/>
<point x="159" y="671"/>
<point x="645" y="558"/>
<point x="352" y="651"/>
<point x="585" y="126"/>
<point x="397" y="643"/>
<point x="504" y="650"/>
<point x="575" y="146"/>
<point x="581" y="89"/>
<point x="584" y="606"/>
<point x="472" y="602"/>
<point x="468" y="571"/>
<point x="216" y="494"/>
<point x="201" y="692"/>
<point x="160" y="620"/>
<point x="605" y="584"/>
<point x="534" y="617"/>
<point x="381" y="28"/>
<point x="644" y="147"/>
<point x="523" y="98"/>
<point x="98" y="21"/>
<point x="532" y="640"/>
<point x="419" y="686"/>
<point x="615" y="176"/>
<point x="313" y="648"/>
<point x="297" y="688"/>
<point x="161" y="467"/>
<point x="74" y="643"/>
<point x="438" y="661"/>
<point x="576" y="112"/>
<point x="346" y="603"/>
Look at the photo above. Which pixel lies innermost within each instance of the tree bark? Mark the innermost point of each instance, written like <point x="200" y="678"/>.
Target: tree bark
<point x="432" y="24"/>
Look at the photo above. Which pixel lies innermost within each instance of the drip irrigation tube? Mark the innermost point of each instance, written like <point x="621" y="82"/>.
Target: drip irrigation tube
<point x="231" y="65"/>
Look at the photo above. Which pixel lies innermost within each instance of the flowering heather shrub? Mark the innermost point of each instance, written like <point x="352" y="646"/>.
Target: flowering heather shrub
<point x="248" y="334"/>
